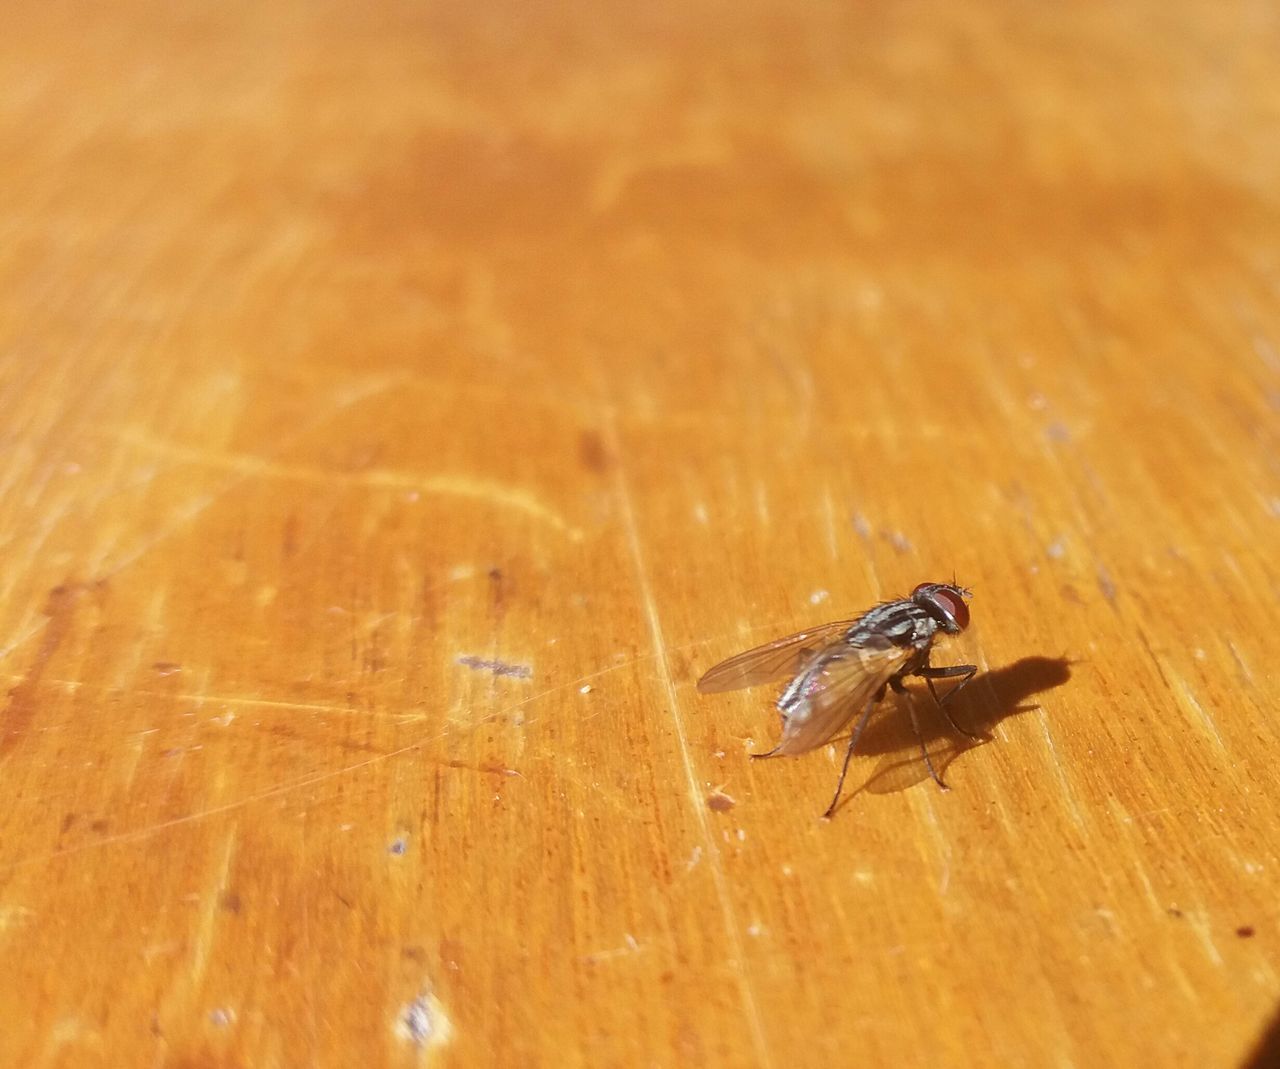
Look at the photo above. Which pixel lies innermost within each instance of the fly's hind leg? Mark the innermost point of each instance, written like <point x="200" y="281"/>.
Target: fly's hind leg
<point x="848" y="754"/>
<point x="901" y="688"/>
<point x="966" y="673"/>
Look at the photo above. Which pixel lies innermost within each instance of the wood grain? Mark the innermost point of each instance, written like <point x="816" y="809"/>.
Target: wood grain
<point x="404" y="404"/>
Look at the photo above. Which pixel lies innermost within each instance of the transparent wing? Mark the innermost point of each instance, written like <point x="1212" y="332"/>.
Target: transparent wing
<point x="832" y="691"/>
<point x="782" y="657"/>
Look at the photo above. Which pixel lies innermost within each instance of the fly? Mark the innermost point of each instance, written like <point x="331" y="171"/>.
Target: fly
<point x="841" y="670"/>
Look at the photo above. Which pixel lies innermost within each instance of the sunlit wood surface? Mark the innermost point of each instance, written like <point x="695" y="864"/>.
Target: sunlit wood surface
<point x="403" y="404"/>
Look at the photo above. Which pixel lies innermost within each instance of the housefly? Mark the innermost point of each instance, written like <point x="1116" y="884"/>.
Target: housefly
<point x="841" y="670"/>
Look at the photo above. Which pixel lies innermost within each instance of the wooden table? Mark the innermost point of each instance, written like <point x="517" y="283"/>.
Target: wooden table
<point x="404" y="404"/>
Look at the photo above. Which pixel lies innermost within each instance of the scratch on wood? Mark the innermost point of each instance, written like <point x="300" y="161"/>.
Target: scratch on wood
<point x="441" y="485"/>
<point x="829" y="515"/>
<point x="1154" y="659"/>
<point x="58" y="609"/>
<point x="629" y="946"/>
<point x="301" y="783"/>
<point x="1059" y="772"/>
<point x="924" y="803"/>
<point x="146" y="832"/>
<point x="1200" y="926"/>
<point x="1240" y="662"/>
<point x="498" y="668"/>
<point x="728" y="913"/>
<point x="209" y="915"/>
<point x="1201" y="712"/>
<point x="1106" y="585"/>
<point x="349" y="396"/>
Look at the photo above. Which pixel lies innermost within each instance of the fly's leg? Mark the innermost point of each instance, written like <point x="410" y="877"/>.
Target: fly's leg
<point x="901" y="688"/>
<point x="915" y="726"/>
<point x="966" y="673"/>
<point x="853" y="741"/>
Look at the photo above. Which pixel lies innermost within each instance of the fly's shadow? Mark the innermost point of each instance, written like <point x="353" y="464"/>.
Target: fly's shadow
<point x="988" y="699"/>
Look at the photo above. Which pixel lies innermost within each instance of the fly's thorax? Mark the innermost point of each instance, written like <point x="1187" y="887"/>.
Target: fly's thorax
<point x="900" y="623"/>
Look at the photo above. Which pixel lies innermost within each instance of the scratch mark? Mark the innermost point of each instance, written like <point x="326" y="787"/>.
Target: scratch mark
<point x="941" y="844"/>
<point x="203" y="697"/>
<point x="630" y="946"/>
<point x="829" y="515"/>
<point x="209" y="915"/>
<point x="463" y="486"/>
<point x="1200" y="711"/>
<point x="301" y="783"/>
<point x="732" y="927"/>
<point x="59" y="609"/>
<point x="1201" y="927"/>
<point x="498" y="668"/>
<point x="349" y="397"/>
<point x="1059" y="771"/>
<point x="352" y="395"/>
<point x="1240" y="662"/>
<point x="159" y="828"/>
<point x="1106" y="584"/>
<point x="1154" y="659"/>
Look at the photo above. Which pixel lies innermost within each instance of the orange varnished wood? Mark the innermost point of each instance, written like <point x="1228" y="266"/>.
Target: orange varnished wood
<point x="404" y="404"/>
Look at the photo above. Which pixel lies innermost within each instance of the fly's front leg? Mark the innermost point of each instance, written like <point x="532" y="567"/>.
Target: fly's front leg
<point x="965" y="672"/>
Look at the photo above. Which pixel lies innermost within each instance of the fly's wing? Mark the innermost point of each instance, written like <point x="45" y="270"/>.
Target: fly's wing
<point x="782" y="657"/>
<point x="834" y="689"/>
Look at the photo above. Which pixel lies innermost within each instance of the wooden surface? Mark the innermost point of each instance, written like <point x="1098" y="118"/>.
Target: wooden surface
<point x="404" y="404"/>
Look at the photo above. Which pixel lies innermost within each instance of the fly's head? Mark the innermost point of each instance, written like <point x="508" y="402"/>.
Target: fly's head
<point x="945" y="602"/>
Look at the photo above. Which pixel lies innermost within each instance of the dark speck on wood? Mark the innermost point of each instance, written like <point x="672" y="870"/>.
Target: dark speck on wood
<point x="498" y="668"/>
<point x="720" y="802"/>
<point x="592" y="453"/>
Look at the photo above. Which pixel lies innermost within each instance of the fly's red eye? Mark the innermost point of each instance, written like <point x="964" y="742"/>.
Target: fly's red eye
<point x="954" y="604"/>
<point x="947" y="600"/>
